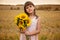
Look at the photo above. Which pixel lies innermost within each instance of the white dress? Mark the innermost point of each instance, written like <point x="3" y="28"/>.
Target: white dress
<point x="31" y="28"/>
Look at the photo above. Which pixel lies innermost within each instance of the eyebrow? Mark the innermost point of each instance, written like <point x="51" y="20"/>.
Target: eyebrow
<point x="29" y="5"/>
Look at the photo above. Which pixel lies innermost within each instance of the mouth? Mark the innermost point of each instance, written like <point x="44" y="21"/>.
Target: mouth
<point x="30" y="10"/>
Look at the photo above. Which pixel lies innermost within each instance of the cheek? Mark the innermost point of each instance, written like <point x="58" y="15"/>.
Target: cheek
<point x="33" y="8"/>
<point x="27" y="10"/>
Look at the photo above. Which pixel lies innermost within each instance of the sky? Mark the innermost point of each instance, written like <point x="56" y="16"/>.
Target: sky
<point x="36" y="2"/>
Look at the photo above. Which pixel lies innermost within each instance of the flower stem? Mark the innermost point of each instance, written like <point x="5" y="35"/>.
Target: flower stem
<point x="27" y="37"/>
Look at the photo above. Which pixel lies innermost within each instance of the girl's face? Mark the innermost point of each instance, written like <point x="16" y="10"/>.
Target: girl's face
<point x="30" y="9"/>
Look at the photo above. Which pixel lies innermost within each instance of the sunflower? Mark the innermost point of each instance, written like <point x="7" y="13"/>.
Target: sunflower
<point x="22" y="20"/>
<point x="22" y="27"/>
<point x="20" y="16"/>
<point x="23" y="16"/>
<point x="16" y="18"/>
<point x="28" y="21"/>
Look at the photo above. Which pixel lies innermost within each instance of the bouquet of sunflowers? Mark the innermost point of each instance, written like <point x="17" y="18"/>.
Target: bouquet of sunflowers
<point x="22" y="21"/>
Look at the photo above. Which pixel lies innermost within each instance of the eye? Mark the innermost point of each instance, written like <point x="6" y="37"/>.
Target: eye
<point x="30" y="6"/>
<point x="26" y="7"/>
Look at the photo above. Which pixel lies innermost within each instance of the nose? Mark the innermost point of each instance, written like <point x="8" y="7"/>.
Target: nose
<point x="29" y="8"/>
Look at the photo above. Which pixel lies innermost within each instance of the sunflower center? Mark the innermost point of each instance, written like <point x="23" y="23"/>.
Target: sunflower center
<point x="23" y="17"/>
<point x="27" y="21"/>
<point x="21" y="22"/>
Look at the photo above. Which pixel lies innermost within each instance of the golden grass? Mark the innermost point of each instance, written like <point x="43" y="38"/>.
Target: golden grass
<point x="50" y="25"/>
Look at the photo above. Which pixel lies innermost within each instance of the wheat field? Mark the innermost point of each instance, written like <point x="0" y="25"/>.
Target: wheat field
<point x="50" y="25"/>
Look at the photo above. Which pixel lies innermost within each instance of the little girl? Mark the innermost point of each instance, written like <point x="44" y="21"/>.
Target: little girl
<point x="33" y="30"/>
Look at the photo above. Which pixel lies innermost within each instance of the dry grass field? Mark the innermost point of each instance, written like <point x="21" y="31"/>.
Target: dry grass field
<point x="50" y="25"/>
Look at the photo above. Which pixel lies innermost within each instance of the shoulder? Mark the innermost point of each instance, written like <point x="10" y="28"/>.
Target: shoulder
<point x="39" y="19"/>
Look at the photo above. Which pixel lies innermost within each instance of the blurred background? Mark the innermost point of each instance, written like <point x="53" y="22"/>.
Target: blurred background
<point x="48" y="10"/>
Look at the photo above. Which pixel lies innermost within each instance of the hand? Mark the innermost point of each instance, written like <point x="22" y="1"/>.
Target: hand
<point x="27" y="33"/>
<point x="22" y="31"/>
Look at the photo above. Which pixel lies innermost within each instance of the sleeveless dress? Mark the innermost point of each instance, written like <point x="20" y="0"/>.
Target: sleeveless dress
<point x="30" y="28"/>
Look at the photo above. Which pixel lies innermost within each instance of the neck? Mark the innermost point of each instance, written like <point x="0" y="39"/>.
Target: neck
<point x="31" y="15"/>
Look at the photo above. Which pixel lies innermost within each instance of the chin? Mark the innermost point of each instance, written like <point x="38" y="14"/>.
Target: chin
<point x="30" y="13"/>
